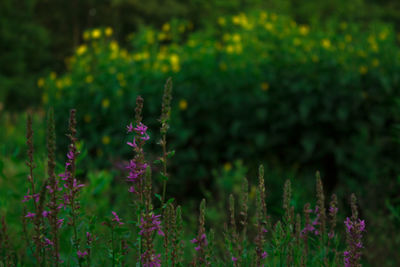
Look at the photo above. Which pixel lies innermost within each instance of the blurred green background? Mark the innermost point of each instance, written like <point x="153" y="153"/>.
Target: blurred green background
<point x="296" y="85"/>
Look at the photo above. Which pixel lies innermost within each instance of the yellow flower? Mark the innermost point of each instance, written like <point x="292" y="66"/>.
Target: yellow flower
<point x="230" y="49"/>
<point x="265" y="86"/>
<point x="183" y="104"/>
<point x="236" y="20"/>
<point x="96" y="33"/>
<point x="348" y="38"/>
<point x="236" y="37"/>
<point x="59" y="84"/>
<point x="304" y="30"/>
<point x="227" y="166"/>
<point x="363" y="70"/>
<point x="45" y="98"/>
<point x="86" y="35"/>
<point x="105" y="140"/>
<point x="383" y="35"/>
<point x="40" y="82"/>
<point x="114" y="46"/>
<point x="87" y="118"/>
<point x="221" y="21"/>
<point x="166" y="27"/>
<point x="162" y="36"/>
<point x="89" y="79"/>
<point x="296" y="41"/>
<point x="108" y="31"/>
<point x="263" y="16"/>
<point x="105" y="103"/>
<point x="314" y="58"/>
<point x="375" y="62"/>
<point x="81" y="49"/>
<point x="174" y="59"/>
<point x="268" y="26"/>
<point x="164" y="68"/>
<point x="222" y="66"/>
<point x="326" y="43"/>
<point x="53" y="75"/>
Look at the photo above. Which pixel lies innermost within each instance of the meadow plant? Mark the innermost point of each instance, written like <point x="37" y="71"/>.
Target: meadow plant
<point x="153" y="234"/>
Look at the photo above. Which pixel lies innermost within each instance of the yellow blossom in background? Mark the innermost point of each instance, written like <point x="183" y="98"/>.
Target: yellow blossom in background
<point x="326" y="43"/>
<point x="174" y="60"/>
<point x="230" y="49"/>
<point x="166" y="27"/>
<point x="265" y="86"/>
<point x="45" y="98"/>
<point x="348" y="38"/>
<point x="53" y="75"/>
<point x="96" y="33"/>
<point x="375" y="62"/>
<point x="304" y="30"/>
<point x="221" y="21"/>
<point x="268" y="26"/>
<point x="86" y="35"/>
<point x="236" y="37"/>
<point x="263" y="16"/>
<point x="87" y="118"/>
<point x="183" y="104"/>
<point x="227" y="166"/>
<point x="59" y="84"/>
<point x="89" y="79"/>
<point x="162" y="36"/>
<point x="108" y="31"/>
<point x="223" y="66"/>
<point x="238" y="48"/>
<point x="114" y="46"/>
<point x="81" y="49"/>
<point x="253" y="192"/>
<point x="363" y="70"/>
<point x="122" y="83"/>
<point x="383" y="35"/>
<point x="296" y="41"/>
<point x="105" y="103"/>
<point x="236" y="19"/>
<point x="314" y="58"/>
<point x="164" y="68"/>
<point x="150" y="37"/>
<point x="40" y="82"/>
<point x="274" y="17"/>
<point x="105" y="140"/>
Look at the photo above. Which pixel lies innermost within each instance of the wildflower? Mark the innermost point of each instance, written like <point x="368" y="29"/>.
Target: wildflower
<point x="129" y="128"/>
<point x="150" y="225"/>
<point x="265" y="86"/>
<point x="96" y="33"/>
<point x="116" y="218"/>
<point x="363" y="70"/>
<point x="81" y="255"/>
<point x="227" y="166"/>
<point x="221" y="21"/>
<point x="304" y="30"/>
<point x="183" y="104"/>
<point x="108" y="31"/>
<point x="234" y="259"/>
<point x="89" y="79"/>
<point x="40" y="82"/>
<point x="151" y="260"/>
<point x="105" y="103"/>
<point x="30" y="215"/>
<point x="132" y="144"/>
<point x="81" y="49"/>
<point x="326" y="43"/>
<point x="106" y="140"/>
<point x="48" y="242"/>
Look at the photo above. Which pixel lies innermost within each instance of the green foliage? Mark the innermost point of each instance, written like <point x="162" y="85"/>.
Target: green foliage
<point x="293" y="90"/>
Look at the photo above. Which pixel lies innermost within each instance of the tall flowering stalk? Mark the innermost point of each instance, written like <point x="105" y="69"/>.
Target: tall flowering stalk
<point x="137" y="166"/>
<point x="71" y="184"/>
<point x="288" y="220"/>
<point x="5" y="249"/>
<point x="200" y="241"/>
<point x="33" y="195"/>
<point x="164" y="120"/>
<point x="53" y="188"/>
<point x="261" y="215"/>
<point x="354" y="233"/>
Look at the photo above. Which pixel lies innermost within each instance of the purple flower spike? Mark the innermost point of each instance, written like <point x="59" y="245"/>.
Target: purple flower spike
<point x="116" y="218"/>
<point x="30" y="215"/>
<point x="81" y="255"/>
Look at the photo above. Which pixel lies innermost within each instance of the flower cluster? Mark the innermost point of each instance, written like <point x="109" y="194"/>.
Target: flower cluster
<point x="200" y="242"/>
<point x="137" y="166"/>
<point x="354" y="230"/>
<point x="151" y="224"/>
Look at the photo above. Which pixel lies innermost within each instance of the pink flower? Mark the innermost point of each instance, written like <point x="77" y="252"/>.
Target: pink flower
<point x="81" y="254"/>
<point x="30" y="215"/>
<point x="116" y="218"/>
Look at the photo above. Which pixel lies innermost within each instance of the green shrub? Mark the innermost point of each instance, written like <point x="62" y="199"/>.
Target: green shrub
<point x="269" y="88"/>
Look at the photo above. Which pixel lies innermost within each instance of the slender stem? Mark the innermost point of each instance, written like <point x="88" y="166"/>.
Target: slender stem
<point x="164" y="147"/>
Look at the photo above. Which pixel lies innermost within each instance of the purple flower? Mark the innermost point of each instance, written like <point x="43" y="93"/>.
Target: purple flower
<point x="152" y="261"/>
<point x="81" y="255"/>
<point x="151" y="224"/>
<point x="60" y="223"/>
<point x="132" y="144"/>
<point x="200" y="242"/>
<point x="45" y="213"/>
<point x="354" y="231"/>
<point x="116" y="218"/>
<point x="264" y="255"/>
<point x="30" y="215"/>
<point x="129" y="128"/>
<point x="141" y="129"/>
<point x="48" y="242"/>
<point x="234" y="259"/>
